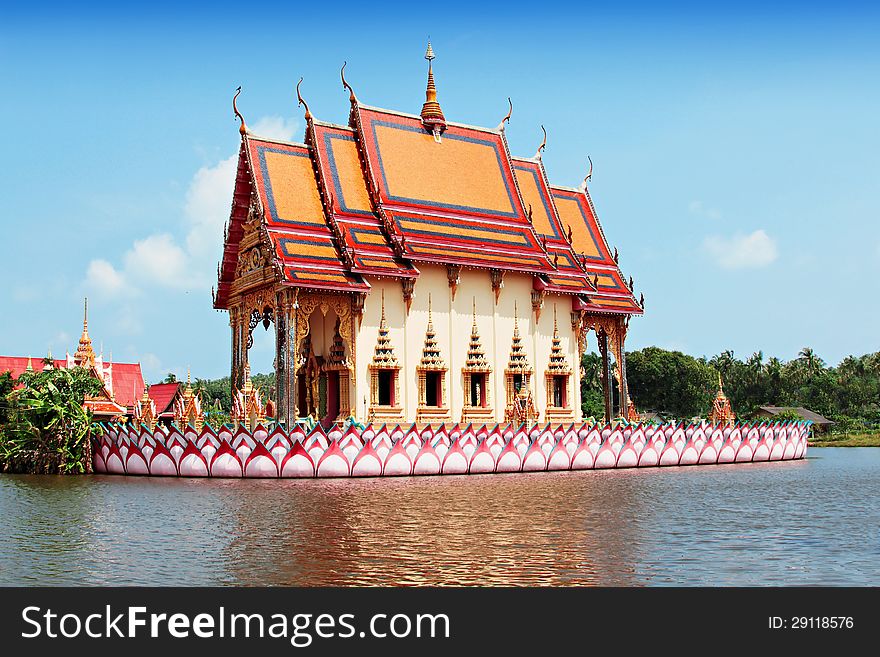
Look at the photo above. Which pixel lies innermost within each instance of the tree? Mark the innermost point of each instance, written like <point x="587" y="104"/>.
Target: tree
<point x="592" y="403"/>
<point x="49" y="430"/>
<point x="170" y="378"/>
<point x="670" y="382"/>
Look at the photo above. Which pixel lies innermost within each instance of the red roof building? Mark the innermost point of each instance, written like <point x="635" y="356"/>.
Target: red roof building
<point x="123" y="382"/>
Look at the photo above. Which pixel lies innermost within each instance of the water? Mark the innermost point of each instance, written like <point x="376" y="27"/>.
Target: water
<point x="787" y="523"/>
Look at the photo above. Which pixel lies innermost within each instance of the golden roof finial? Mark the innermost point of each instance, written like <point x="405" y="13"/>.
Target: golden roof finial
<point x="432" y="115"/>
<point x="85" y="355"/>
<point x="303" y="102"/>
<point x="383" y="307"/>
<point x="515" y="318"/>
<point x="429" y="309"/>
<point x="188" y="377"/>
<point x="475" y="311"/>
<point x="346" y="85"/>
<point x="543" y="144"/>
<point x="242" y="128"/>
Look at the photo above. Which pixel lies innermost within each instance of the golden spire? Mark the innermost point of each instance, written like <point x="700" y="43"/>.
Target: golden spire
<point x="383" y="354"/>
<point x="558" y="361"/>
<point x="721" y="411"/>
<point x="85" y="355"/>
<point x="476" y="357"/>
<point x="431" y="358"/>
<point x="432" y="115"/>
<point x="30" y="365"/>
<point x="518" y="362"/>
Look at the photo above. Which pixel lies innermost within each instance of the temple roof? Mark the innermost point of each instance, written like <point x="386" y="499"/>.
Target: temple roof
<point x="163" y="395"/>
<point x="392" y="190"/>
<point x="612" y="294"/>
<point x="127" y="378"/>
<point x="455" y="201"/>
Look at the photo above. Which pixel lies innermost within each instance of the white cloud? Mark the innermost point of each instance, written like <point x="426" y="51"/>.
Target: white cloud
<point x="26" y="292"/>
<point x="158" y="260"/>
<point x="275" y="127"/>
<point x="163" y="263"/>
<point x="209" y="196"/>
<point x="742" y="251"/>
<point x="103" y="279"/>
<point x="208" y="202"/>
<point x="699" y="209"/>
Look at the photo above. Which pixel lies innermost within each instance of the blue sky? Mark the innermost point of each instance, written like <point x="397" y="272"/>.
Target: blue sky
<point x="736" y="152"/>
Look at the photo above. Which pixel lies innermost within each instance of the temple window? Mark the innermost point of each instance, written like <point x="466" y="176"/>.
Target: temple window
<point x="559" y="386"/>
<point x="520" y="407"/>
<point x="431" y="373"/>
<point x="517" y="382"/>
<point x="386" y="388"/>
<point x="478" y="389"/>
<point x="475" y="377"/>
<point x="557" y="376"/>
<point x="384" y="377"/>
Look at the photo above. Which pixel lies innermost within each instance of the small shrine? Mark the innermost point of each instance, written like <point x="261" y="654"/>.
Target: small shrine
<point x="721" y="412"/>
<point x="188" y="408"/>
<point x="247" y="405"/>
<point x="145" y="411"/>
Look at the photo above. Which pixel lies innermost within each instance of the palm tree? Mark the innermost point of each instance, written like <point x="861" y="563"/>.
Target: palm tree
<point x="811" y="362"/>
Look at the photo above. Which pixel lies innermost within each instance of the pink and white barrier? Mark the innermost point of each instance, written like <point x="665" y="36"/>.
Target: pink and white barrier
<point x="380" y="451"/>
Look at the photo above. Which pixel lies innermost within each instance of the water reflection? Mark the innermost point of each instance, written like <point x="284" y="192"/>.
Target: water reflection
<point x="808" y="522"/>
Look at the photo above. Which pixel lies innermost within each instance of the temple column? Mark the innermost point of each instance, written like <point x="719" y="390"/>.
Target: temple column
<point x="236" y="349"/>
<point x="621" y="368"/>
<point x="281" y="362"/>
<point x="292" y="356"/>
<point x="606" y="374"/>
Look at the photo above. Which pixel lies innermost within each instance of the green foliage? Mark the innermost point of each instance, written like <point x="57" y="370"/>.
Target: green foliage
<point x="46" y="428"/>
<point x="848" y="394"/>
<point x="670" y="382"/>
<point x="788" y="415"/>
<point x="592" y="403"/>
<point x="170" y="378"/>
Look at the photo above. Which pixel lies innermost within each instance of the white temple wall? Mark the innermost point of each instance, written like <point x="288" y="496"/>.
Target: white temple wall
<point x="452" y="324"/>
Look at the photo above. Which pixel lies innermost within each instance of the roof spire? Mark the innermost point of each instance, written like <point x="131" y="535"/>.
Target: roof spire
<point x="85" y="355"/>
<point x="346" y="85"/>
<point x="506" y="119"/>
<point x="242" y="128"/>
<point x="432" y="115"/>
<point x="589" y="175"/>
<point x="543" y="144"/>
<point x="299" y="98"/>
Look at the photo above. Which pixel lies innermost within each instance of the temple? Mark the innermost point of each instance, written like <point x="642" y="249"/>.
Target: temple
<point x="372" y="247"/>
<point x="122" y="382"/>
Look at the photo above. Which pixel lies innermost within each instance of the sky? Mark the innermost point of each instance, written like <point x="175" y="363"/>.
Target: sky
<point x="736" y="153"/>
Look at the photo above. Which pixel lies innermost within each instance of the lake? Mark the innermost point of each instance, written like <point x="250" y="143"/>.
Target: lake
<point x="809" y="522"/>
